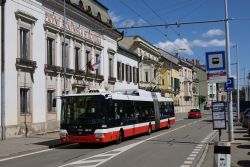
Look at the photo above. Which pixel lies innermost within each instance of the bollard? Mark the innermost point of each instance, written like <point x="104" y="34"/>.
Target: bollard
<point x="222" y="154"/>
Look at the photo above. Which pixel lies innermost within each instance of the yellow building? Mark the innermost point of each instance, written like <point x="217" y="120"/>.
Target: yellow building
<point x="170" y="81"/>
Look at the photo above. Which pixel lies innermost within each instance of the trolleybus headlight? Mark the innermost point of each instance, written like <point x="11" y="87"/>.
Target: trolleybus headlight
<point x="99" y="135"/>
<point x="63" y="133"/>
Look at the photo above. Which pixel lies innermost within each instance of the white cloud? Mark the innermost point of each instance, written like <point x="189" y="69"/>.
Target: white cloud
<point x="180" y="45"/>
<point x="211" y="43"/>
<point x="115" y="18"/>
<point x="130" y="23"/>
<point x="127" y="23"/>
<point x="185" y="46"/>
<point x="213" y="32"/>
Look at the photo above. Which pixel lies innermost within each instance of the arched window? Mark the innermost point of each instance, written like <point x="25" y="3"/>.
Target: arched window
<point x="89" y="10"/>
<point x="81" y="4"/>
<point x="99" y="15"/>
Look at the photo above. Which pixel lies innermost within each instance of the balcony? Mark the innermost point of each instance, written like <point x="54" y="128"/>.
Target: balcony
<point x="25" y="65"/>
<point x="112" y="80"/>
<point x="186" y="79"/>
<point x="52" y="69"/>
<point x="79" y="84"/>
<point x="79" y="74"/>
<point x="91" y="77"/>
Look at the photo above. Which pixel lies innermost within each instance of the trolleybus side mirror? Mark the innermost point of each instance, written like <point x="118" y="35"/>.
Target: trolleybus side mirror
<point x="54" y="102"/>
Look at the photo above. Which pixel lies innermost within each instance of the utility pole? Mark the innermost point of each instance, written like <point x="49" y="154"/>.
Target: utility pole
<point x="229" y="94"/>
<point x="238" y="87"/>
<point x="245" y="90"/>
<point x="64" y="49"/>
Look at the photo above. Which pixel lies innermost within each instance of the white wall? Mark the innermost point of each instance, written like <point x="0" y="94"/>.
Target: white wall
<point x="123" y="85"/>
<point x="108" y="43"/>
<point x="38" y="55"/>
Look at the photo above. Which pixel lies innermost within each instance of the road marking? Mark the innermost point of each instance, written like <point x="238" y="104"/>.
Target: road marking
<point x="196" y="150"/>
<point x="190" y="158"/>
<point x="119" y="151"/>
<point x="188" y="162"/>
<point x="24" y="155"/>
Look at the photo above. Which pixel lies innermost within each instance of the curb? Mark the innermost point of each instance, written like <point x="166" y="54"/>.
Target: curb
<point x="204" y="154"/>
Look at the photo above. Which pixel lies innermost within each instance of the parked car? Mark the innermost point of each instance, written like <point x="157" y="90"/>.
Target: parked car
<point x="242" y="114"/>
<point x="194" y="113"/>
<point x="245" y="118"/>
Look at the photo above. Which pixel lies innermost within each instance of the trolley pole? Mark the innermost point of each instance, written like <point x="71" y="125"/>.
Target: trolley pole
<point x="229" y="94"/>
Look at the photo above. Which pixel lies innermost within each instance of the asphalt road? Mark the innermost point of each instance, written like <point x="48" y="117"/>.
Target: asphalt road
<point x="181" y="145"/>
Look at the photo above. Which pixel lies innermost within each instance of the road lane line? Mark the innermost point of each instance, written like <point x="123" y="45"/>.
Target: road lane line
<point x="197" y="149"/>
<point x="24" y="155"/>
<point x="124" y="148"/>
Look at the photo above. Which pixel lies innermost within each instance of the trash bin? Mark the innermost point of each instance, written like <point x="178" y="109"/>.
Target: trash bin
<point x="222" y="154"/>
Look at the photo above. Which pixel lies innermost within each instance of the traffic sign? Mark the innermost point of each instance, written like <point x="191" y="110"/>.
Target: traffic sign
<point x="229" y="85"/>
<point x="216" y="67"/>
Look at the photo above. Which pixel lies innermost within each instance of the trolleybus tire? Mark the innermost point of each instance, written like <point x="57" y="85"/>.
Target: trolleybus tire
<point x="120" y="138"/>
<point x="149" y="129"/>
<point x="169" y="124"/>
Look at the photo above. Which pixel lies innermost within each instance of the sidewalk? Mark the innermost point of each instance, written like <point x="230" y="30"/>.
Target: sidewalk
<point x="22" y="145"/>
<point x="240" y="148"/>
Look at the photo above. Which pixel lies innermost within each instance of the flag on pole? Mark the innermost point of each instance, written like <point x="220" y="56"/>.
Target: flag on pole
<point x="90" y="66"/>
<point x="96" y="65"/>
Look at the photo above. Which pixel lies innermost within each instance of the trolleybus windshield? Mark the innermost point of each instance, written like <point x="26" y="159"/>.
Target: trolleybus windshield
<point x="83" y="109"/>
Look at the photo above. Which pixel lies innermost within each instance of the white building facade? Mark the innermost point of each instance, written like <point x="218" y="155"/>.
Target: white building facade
<point x="186" y="86"/>
<point x="34" y="61"/>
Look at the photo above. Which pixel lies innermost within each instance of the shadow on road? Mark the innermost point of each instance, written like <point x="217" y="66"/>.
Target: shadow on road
<point x="244" y="163"/>
<point x="244" y="146"/>
<point x="206" y="120"/>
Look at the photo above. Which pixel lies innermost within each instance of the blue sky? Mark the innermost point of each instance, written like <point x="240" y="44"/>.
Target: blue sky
<point x="196" y="39"/>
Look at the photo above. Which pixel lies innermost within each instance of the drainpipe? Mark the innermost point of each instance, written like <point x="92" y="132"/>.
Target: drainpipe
<point x="2" y="3"/>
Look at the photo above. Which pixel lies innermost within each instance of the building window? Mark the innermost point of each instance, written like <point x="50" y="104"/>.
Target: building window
<point x="66" y="55"/>
<point x="97" y="66"/>
<point x="50" y="97"/>
<point x="77" y="54"/>
<point x="146" y="76"/>
<point x="87" y="61"/>
<point x="137" y="75"/>
<point x="130" y="74"/>
<point x="24" y="100"/>
<point x="123" y="71"/>
<point x="111" y="66"/>
<point x="134" y="75"/>
<point x="25" y="24"/>
<point x="50" y="51"/>
<point x="155" y="71"/>
<point x="24" y="43"/>
<point x="119" y="71"/>
<point x="127" y="73"/>
<point x="163" y="82"/>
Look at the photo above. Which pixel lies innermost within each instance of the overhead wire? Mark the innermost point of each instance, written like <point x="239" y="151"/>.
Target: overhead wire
<point x="160" y="17"/>
<point x="193" y="10"/>
<point x="139" y="15"/>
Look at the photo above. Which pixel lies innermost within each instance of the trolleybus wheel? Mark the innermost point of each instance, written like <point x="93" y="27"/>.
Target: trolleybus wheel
<point x="149" y="129"/>
<point x="120" y="138"/>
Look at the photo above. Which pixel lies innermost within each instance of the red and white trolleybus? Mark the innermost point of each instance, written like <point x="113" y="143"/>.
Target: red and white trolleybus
<point x="103" y="116"/>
